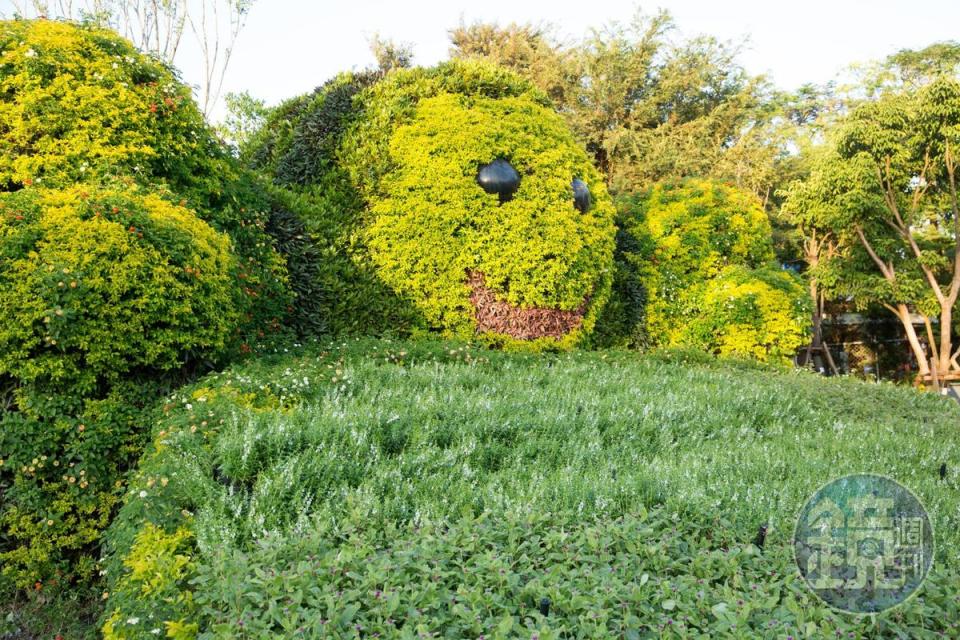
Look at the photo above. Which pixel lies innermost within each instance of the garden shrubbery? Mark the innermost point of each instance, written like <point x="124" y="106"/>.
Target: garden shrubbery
<point x="134" y="254"/>
<point x="387" y="168"/>
<point x="103" y="293"/>
<point x="308" y="490"/>
<point x="97" y="285"/>
<point x="82" y="106"/>
<point x="80" y="103"/>
<point x="700" y="254"/>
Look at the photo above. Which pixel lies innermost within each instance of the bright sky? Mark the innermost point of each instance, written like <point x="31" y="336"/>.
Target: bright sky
<point x="291" y="46"/>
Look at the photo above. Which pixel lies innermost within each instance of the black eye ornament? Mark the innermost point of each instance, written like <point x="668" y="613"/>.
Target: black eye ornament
<point x="581" y="195"/>
<point x="499" y="177"/>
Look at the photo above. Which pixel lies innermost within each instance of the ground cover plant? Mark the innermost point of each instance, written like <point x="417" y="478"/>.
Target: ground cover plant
<point x="409" y="488"/>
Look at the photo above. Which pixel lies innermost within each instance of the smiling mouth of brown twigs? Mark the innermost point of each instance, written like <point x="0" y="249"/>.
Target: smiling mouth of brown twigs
<point x="495" y="315"/>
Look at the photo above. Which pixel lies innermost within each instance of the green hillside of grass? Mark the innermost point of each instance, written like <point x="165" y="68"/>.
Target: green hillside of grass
<point x="402" y="489"/>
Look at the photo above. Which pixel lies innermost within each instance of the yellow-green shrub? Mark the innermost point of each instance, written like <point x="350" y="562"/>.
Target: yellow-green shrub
<point x="388" y="170"/>
<point x="755" y="313"/>
<point x="80" y="102"/>
<point x="431" y="222"/>
<point x="702" y="254"/>
<point x="103" y="295"/>
<point x="95" y="284"/>
<point x="156" y="572"/>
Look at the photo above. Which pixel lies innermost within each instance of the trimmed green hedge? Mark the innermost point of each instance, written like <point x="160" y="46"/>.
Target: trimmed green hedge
<point x="386" y="169"/>
<point x="445" y="488"/>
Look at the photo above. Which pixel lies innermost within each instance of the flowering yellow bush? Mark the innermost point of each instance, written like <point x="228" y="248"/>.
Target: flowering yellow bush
<point x="79" y="102"/>
<point x="102" y="293"/>
<point x="96" y="284"/>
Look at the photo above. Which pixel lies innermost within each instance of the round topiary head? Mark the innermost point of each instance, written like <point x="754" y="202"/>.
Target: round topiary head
<point x="480" y="224"/>
<point x="476" y="205"/>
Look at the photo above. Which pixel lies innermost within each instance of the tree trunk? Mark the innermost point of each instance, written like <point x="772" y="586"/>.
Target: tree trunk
<point x="946" y="340"/>
<point x="904" y="315"/>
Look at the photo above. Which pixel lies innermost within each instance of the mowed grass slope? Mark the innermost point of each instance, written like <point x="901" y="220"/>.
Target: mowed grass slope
<point x="394" y="488"/>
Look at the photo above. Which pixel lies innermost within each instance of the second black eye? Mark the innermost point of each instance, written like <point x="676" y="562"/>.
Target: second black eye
<point x="499" y="177"/>
<point x="581" y="195"/>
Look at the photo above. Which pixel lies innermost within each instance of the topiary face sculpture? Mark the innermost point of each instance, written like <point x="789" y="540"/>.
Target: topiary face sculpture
<point x="473" y="203"/>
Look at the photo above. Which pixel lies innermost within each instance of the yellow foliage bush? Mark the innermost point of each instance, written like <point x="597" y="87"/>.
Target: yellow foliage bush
<point x="388" y="168"/>
<point x="158" y="566"/>
<point x="700" y="254"/>
<point x="102" y="294"/>
<point x="78" y="102"/>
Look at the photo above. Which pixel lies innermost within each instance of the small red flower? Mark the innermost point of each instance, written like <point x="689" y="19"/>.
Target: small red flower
<point x="153" y="108"/>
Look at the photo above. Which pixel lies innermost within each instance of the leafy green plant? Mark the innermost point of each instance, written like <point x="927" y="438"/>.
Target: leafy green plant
<point x="128" y="113"/>
<point x="310" y="481"/>
<point x="102" y="294"/>
<point x="134" y="255"/>
<point x="702" y="254"/>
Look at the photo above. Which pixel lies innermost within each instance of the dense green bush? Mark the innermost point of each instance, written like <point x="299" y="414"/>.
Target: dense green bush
<point x="387" y="167"/>
<point x="78" y="102"/>
<point x="97" y="284"/>
<point x="81" y="105"/>
<point x="290" y="490"/>
<point x="101" y="293"/>
<point x="759" y="313"/>
<point x="701" y="253"/>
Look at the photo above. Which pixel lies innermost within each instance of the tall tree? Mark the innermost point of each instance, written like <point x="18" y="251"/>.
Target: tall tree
<point x="530" y="50"/>
<point x="888" y="191"/>
<point x="647" y="107"/>
<point x="389" y="54"/>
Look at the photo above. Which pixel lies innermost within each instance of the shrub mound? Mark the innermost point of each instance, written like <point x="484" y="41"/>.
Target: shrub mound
<point x="100" y="292"/>
<point x="97" y="285"/>
<point x="696" y="268"/>
<point x="134" y="254"/>
<point x="308" y="492"/>
<point x="81" y="105"/>
<point x="388" y="169"/>
<point x="79" y="102"/>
